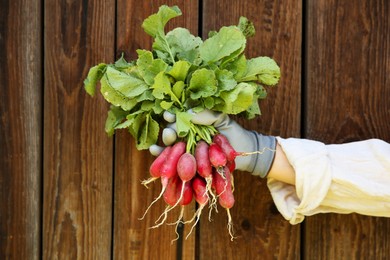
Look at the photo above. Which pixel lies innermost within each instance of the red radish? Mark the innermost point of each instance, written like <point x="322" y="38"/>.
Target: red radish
<point x="200" y="194"/>
<point x="202" y="159"/>
<point x="186" y="169"/>
<point x="171" y="197"/>
<point x="226" y="147"/>
<point x="158" y="162"/>
<point x="223" y="187"/>
<point x="170" y="194"/>
<point x="231" y="165"/>
<point x="222" y="180"/>
<point x="204" y="168"/>
<point x="229" y="151"/>
<point x="168" y="169"/>
<point x="217" y="156"/>
<point x="187" y="197"/>
<point x="155" y="168"/>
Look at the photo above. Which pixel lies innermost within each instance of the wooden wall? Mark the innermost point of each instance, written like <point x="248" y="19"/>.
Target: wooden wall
<point x="67" y="191"/>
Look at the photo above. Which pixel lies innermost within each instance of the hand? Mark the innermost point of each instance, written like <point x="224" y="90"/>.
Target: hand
<point x="241" y="139"/>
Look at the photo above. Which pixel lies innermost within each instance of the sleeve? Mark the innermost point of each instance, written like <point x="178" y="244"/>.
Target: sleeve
<point x="342" y="178"/>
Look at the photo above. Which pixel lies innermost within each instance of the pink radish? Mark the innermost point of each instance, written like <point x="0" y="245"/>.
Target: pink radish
<point x="223" y="187"/>
<point x="170" y="195"/>
<point x="187" y="196"/>
<point x="204" y="168"/>
<point x="168" y="169"/>
<point x="155" y="168"/>
<point x="186" y="169"/>
<point x="217" y="156"/>
<point x="226" y="147"/>
<point x="200" y="194"/>
<point x="202" y="159"/>
<point x="229" y="151"/>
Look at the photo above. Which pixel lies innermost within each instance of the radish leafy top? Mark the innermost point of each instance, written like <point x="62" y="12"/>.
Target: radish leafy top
<point x="182" y="72"/>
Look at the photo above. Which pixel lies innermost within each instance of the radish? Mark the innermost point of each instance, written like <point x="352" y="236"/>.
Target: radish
<point x="230" y="152"/>
<point x="186" y="170"/>
<point x="171" y="197"/>
<point x="204" y="168"/>
<point x="199" y="187"/>
<point x="223" y="187"/>
<point x="226" y="147"/>
<point x="154" y="169"/>
<point x="187" y="195"/>
<point x="202" y="159"/>
<point x="217" y="156"/>
<point x="168" y="169"/>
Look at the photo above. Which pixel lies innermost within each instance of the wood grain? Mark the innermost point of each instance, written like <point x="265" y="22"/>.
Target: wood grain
<point x="77" y="152"/>
<point x="347" y="99"/>
<point x="261" y="231"/>
<point x="20" y="129"/>
<point x="132" y="237"/>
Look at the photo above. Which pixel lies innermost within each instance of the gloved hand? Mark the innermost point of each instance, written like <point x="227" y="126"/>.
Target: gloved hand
<point x="241" y="139"/>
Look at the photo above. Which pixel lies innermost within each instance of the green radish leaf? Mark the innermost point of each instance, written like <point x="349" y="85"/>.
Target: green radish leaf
<point x="161" y="86"/>
<point x="225" y="80"/>
<point x="202" y="84"/>
<point x="237" y="67"/>
<point x="209" y="102"/>
<point x="149" y="67"/>
<point x="166" y="105"/>
<point x="114" y="97"/>
<point x="262" y="69"/>
<point x="125" y="84"/>
<point x="144" y="129"/>
<point x="180" y="70"/>
<point x="115" y="117"/>
<point x="237" y="100"/>
<point x="155" y="23"/>
<point x="148" y="134"/>
<point x="222" y="44"/>
<point x="183" y="123"/>
<point x="246" y="26"/>
<point x="122" y="64"/>
<point x="184" y="45"/>
<point x="178" y="88"/>
<point x="94" y="75"/>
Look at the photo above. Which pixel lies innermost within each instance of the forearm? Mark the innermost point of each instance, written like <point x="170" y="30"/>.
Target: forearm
<point x="281" y="169"/>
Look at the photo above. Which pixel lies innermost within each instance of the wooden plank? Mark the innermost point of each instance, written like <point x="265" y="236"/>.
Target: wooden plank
<point x="348" y="95"/>
<point x="20" y="129"/>
<point x="261" y="231"/>
<point x="132" y="237"/>
<point x="77" y="152"/>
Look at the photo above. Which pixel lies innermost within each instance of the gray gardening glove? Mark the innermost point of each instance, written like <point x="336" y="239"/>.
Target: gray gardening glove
<point x="241" y="139"/>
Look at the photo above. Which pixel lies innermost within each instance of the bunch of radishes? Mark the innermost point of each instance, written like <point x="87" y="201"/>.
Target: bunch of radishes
<point x="205" y="175"/>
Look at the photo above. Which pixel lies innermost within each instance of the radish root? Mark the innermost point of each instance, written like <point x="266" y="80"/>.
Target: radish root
<point x="230" y="225"/>
<point x="154" y="201"/>
<point x="150" y="180"/>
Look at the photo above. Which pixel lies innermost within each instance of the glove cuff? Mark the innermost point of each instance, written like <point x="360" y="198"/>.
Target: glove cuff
<point x="263" y="161"/>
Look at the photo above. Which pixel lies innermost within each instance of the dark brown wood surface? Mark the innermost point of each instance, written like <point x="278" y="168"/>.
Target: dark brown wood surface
<point x="20" y="129"/>
<point x="78" y="155"/>
<point x="261" y="232"/>
<point x="348" y="93"/>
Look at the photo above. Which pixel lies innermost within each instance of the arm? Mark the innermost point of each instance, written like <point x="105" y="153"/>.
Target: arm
<point x="281" y="168"/>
